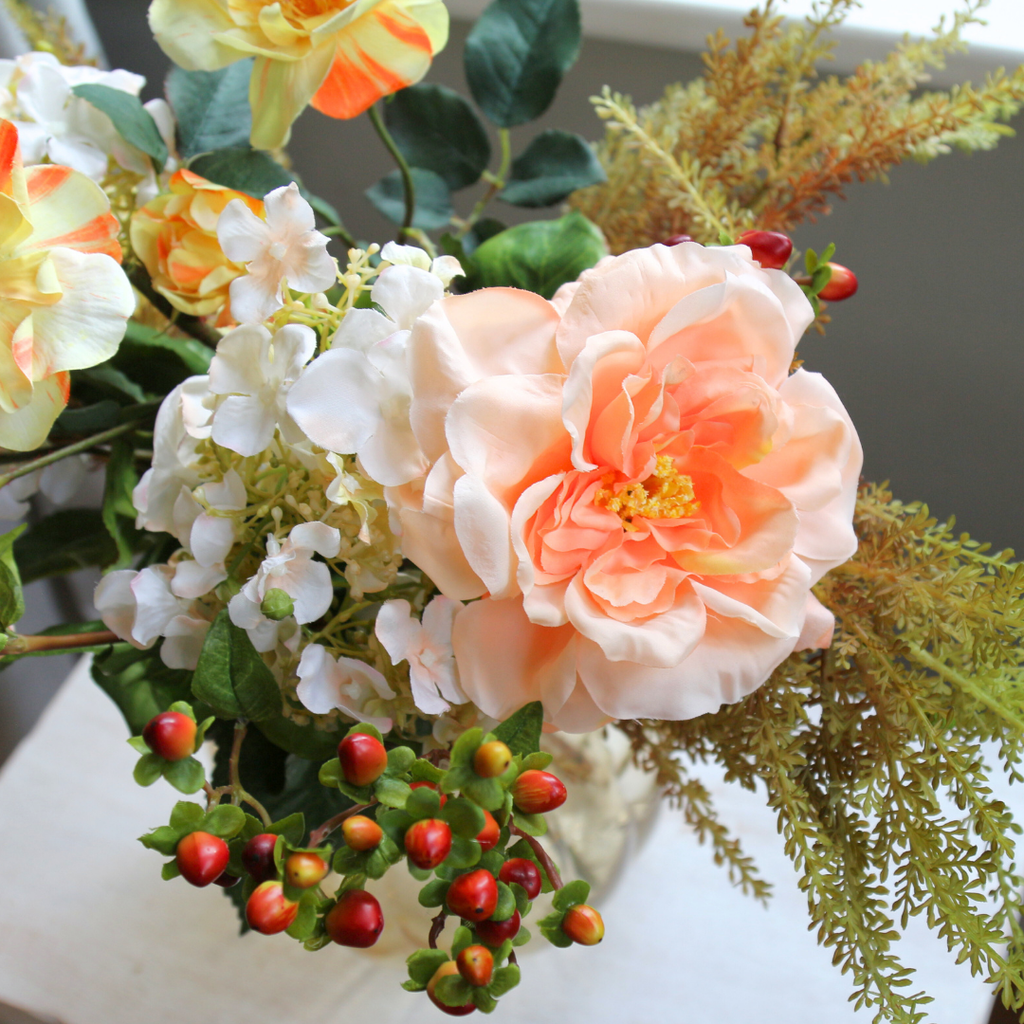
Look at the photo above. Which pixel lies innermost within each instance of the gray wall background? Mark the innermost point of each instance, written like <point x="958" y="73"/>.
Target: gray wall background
<point x="927" y="356"/>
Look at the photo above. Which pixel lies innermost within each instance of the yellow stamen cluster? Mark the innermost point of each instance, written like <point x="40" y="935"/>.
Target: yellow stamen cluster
<point x="665" y="494"/>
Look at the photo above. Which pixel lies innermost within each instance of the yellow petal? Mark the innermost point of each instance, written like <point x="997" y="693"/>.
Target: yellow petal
<point x="189" y="32"/>
<point x="27" y="426"/>
<point x="280" y="90"/>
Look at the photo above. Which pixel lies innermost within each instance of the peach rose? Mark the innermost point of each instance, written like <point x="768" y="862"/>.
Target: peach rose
<point x="632" y="481"/>
<point x="175" y="237"/>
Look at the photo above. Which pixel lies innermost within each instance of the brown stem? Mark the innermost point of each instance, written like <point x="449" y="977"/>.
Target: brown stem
<point x="30" y="644"/>
<point x="512" y="957"/>
<point x="238" y="793"/>
<point x="436" y="927"/>
<point x="542" y="857"/>
<point x="318" y="835"/>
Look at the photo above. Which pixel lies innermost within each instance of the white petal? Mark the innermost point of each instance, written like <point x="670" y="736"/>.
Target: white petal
<point x="116" y="604"/>
<point x="185" y="635"/>
<point x="310" y="589"/>
<point x="242" y="235"/>
<point x="244" y="612"/>
<point x="405" y="293"/>
<point x="192" y="580"/>
<point x="253" y="299"/>
<point x="407" y="255"/>
<point x="294" y="345"/>
<point x="288" y="214"/>
<point x="211" y="538"/>
<point x="156" y="605"/>
<point x="229" y="493"/>
<point x="241" y="363"/>
<point x="361" y="329"/>
<point x="244" y="424"/>
<point x="398" y="631"/>
<point x="319" y="537"/>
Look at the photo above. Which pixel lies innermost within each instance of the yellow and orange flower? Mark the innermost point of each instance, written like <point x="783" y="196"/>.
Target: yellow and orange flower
<point x="175" y="236"/>
<point x="339" y="55"/>
<point x="64" y="300"/>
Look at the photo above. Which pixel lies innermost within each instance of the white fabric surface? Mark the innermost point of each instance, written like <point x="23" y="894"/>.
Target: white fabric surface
<point x="91" y="935"/>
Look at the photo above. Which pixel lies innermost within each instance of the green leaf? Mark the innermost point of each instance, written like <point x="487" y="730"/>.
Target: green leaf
<point x="304" y="924"/>
<point x="139" y="683"/>
<point x="486" y="227"/>
<point x="12" y="601"/>
<point x="211" y="107"/>
<point x="232" y="677"/>
<point x="186" y="776"/>
<point x="148" y="769"/>
<point x="437" y="130"/>
<point x="536" y="762"/>
<point x="330" y="773"/>
<point x="532" y="824"/>
<point x="400" y="760"/>
<point x="394" y="823"/>
<point x="423" y="771"/>
<point x="540" y="256"/>
<point x="465" y="817"/>
<point x="483" y="1001"/>
<point x="522" y="899"/>
<point x="186" y="817"/>
<point x="245" y="170"/>
<point x="521" y="732"/>
<point x="138" y="744"/>
<point x="158" y="361"/>
<point x="423" y="964"/>
<point x="506" y="903"/>
<point x="551" y="928"/>
<point x="454" y="990"/>
<point x="552" y="167"/>
<point x="89" y="420"/>
<point x="164" y="840"/>
<point x="305" y="741"/>
<point x="504" y="980"/>
<point x="522" y="936"/>
<point x="225" y="820"/>
<point x="391" y="792"/>
<point x="433" y="893"/>
<point x="366" y="729"/>
<point x="293" y="828"/>
<point x="170" y="870"/>
<point x="466" y="746"/>
<point x="64" y="542"/>
<point x="118" y="510"/>
<point x="131" y="119"/>
<point x="516" y="55"/>
<point x="571" y="895"/>
<point x="423" y="802"/>
<point x="486" y="792"/>
<point x="433" y="204"/>
<point x="106" y="379"/>
<point x="462" y="938"/>
<point x="464" y="853"/>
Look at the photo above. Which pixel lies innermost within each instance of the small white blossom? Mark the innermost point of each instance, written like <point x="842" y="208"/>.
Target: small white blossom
<point x="327" y="683"/>
<point x="283" y="251"/>
<point x="59" y="482"/>
<point x="427" y="646"/>
<point x="254" y="370"/>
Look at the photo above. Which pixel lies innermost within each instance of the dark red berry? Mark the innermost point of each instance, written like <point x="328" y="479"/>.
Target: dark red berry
<point x="363" y="758"/>
<point x="490" y="834"/>
<point x="473" y="896"/>
<point x="355" y="920"/>
<point x="202" y="858"/>
<point x="258" y="857"/>
<point x="227" y="881"/>
<point x="428" y="842"/>
<point x="770" y="248"/>
<point x="525" y="873"/>
<point x="677" y="239"/>
<point x="267" y="910"/>
<point x="171" y="735"/>
<point x="537" y="792"/>
<point x="494" y="933"/>
<point x="444" y="971"/>
<point x="841" y="285"/>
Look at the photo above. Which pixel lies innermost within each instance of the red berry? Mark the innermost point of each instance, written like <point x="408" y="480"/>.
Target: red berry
<point x="267" y="911"/>
<point x="490" y="834"/>
<point x="429" y="785"/>
<point x="304" y="870"/>
<point x="428" y="842"/>
<point x="476" y="965"/>
<point x="171" y="735"/>
<point x="770" y="248"/>
<point x="491" y="759"/>
<point x="525" y="873"/>
<point x="677" y="239"/>
<point x="841" y="285"/>
<point x="473" y="896"/>
<point x="443" y="972"/>
<point x="355" y="920"/>
<point x="227" y="881"/>
<point x="258" y="857"/>
<point x="536" y="792"/>
<point x="583" y="924"/>
<point x="361" y="833"/>
<point x="363" y="758"/>
<point x="494" y="933"/>
<point x="202" y="858"/>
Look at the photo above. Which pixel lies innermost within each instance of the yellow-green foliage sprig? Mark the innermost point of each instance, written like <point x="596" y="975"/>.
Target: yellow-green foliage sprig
<point x="871" y="755"/>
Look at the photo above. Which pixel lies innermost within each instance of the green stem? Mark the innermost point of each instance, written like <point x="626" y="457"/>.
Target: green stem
<point x="403" y="169"/>
<point x="339" y="231"/>
<point x="238" y="793"/>
<point x="72" y="449"/>
<point x="497" y="183"/>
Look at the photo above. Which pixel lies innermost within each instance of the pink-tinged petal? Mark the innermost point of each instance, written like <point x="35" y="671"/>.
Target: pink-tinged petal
<point x="116" y="604"/>
<point x="661" y="641"/>
<point x="192" y="580"/>
<point x="390" y="455"/>
<point x="253" y="299"/>
<point x="397" y="630"/>
<point x="211" y="538"/>
<point x="579" y="713"/>
<point x="431" y="543"/>
<point x="482" y="526"/>
<point x="228" y="493"/>
<point x="244" y="612"/>
<point x="467" y="337"/>
<point x="187" y="31"/>
<point x="819" y="626"/>
<point x="287" y="212"/>
<point x="505" y="661"/>
<point x="26" y="427"/>
<point x="362" y="329"/>
<point x="184" y="641"/>
<point x="243" y="424"/>
<point x="280" y="90"/>
<point x="311" y="590"/>
<point x="319" y="537"/>
<point x="155" y="604"/>
<point x="531" y="500"/>
<point x="242" y="235"/>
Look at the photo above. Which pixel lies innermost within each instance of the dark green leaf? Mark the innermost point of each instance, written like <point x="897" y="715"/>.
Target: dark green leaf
<point x="139" y="683"/>
<point x="423" y="802"/>
<point x="465" y="817"/>
<point x="158" y="362"/>
<point x="423" y="964"/>
<point x="521" y="897"/>
<point x="433" y="204"/>
<point x="293" y="828"/>
<point x="225" y="820"/>
<point x="521" y="732"/>
<point x="540" y="256"/>
<point x="148" y="769"/>
<point x="483" y="1001"/>
<point x="131" y="119"/>
<point x="305" y="741"/>
<point x="571" y="894"/>
<point x="516" y="55"/>
<point x="551" y="928"/>
<point x="63" y="542"/>
<point x="464" y="853"/>
<point x="391" y="792"/>
<point x="12" y="601"/>
<point x="437" y="130"/>
<point x="118" y="511"/>
<point x="106" y="380"/>
<point x="433" y="893"/>
<point x="185" y="776"/>
<point x="506" y="903"/>
<point x="89" y="420"/>
<point x="486" y="227"/>
<point x="245" y="170"/>
<point x="232" y="677"/>
<point x="211" y="107"/>
<point x="554" y="165"/>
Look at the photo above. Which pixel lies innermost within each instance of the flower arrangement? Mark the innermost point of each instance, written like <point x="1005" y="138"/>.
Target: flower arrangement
<point x="376" y="520"/>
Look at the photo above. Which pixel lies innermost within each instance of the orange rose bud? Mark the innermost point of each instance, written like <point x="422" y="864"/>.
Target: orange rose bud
<point x="537" y="792"/>
<point x="841" y="285"/>
<point x="490" y="834"/>
<point x="304" y="870"/>
<point x="363" y="758"/>
<point x="476" y="965"/>
<point x="770" y="248"/>
<point x="428" y="842"/>
<point x="444" y="971"/>
<point x="267" y="910"/>
<point x="491" y="759"/>
<point x="584" y="925"/>
<point x="361" y="833"/>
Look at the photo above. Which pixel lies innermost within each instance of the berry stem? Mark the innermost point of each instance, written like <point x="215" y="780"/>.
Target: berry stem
<point x="318" y="835"/>
<point x="238" y="793"/>
<point x="542" y="857"/>
<point x="20" y="644"/>
<point x="436" y="927"/>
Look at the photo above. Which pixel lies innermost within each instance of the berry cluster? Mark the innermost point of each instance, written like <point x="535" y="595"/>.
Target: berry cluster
<point x="466" y="822"/>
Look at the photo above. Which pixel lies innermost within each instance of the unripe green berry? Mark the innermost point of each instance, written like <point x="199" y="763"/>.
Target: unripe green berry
<point x="277" y="605"/>
<point x="491" y="759"/>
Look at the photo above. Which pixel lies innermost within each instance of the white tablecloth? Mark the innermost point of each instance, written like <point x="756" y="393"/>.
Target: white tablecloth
<point x="91" y="935"/>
